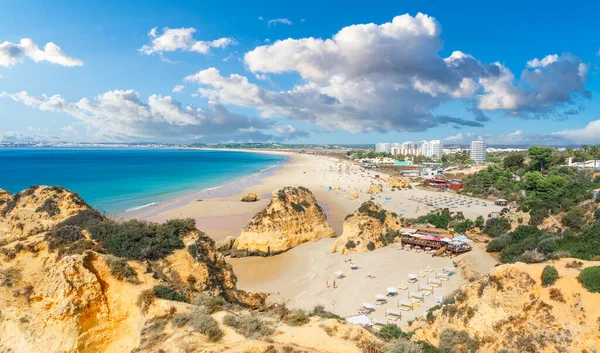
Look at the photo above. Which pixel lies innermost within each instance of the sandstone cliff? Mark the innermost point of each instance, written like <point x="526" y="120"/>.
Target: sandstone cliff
<point x="509" y="309"/>
<point x="293" y="217"/>
<point x="35" y="210"/>
<point x="63" y="290"/>
<point x="368" y="228"/>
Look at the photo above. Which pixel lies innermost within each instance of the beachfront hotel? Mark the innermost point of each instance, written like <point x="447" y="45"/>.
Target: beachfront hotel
<point x="477" y="152"/>
<point x="431" y="149"/>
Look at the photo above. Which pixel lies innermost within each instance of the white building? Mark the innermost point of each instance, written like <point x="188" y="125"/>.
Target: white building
<point x="431" y="149"/>
<point x="477" y="152"/>
<point x="383" y="147"/>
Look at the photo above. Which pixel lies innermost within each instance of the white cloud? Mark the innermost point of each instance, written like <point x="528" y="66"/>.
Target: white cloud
<point x="122" y="115"/>
<point x="174" y="39"/>
<point x="553" y="82"/>
<point x="590" y="134"/>
<point x="260" y="18"/>
<point x="283" y="21"/>
<point x="461" y="137"/>
<point x="12" y="54"/>
<point x="178" y="89"/>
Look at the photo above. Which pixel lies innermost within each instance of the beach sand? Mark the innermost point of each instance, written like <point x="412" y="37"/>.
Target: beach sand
<point x="298" y="276"/>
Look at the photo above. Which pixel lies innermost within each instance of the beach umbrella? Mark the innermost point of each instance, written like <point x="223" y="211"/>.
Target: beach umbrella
<point x="339" y="273"/>
<point x="379" y="296"/>
<point x="412" y="276"/>
<point x="368" y="305"/>
<point x="392" y="290"/>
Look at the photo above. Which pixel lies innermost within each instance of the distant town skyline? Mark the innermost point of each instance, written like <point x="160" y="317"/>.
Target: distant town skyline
<point x="283" y="72"/>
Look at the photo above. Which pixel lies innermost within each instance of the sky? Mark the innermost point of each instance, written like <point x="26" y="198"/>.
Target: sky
<point x="333" y="72"/>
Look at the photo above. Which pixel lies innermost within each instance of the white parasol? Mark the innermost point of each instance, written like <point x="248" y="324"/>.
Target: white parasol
<point x="368" y="305"/>
<point x="392" y="290"/>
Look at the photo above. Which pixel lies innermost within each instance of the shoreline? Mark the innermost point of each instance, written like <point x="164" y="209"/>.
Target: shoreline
<point x="154" y="208"/>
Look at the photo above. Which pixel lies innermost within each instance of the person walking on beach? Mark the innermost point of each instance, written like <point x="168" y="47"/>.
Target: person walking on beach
<point x="334" y="285"/>
<point x="326" y="283"/>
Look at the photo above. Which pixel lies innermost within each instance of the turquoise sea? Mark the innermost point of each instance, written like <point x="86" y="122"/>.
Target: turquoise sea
<point x="115" y="179"/>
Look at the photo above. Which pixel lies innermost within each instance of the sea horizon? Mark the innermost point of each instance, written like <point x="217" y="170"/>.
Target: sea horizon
<point x="117" y="180"/>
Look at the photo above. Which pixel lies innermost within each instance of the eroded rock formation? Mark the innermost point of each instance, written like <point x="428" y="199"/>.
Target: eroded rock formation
<point x="368" y="228"/>
<point x="293" y="217"/>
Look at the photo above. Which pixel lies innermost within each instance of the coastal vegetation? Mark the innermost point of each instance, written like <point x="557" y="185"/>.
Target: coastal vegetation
<point x="590" y="279"/>
<point x="549" y="276"/>
<point x="136" y="240"/>
<point x="557" y="198"/>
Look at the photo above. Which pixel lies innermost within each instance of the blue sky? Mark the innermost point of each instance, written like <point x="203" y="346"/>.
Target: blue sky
<point x="396" y="79"/>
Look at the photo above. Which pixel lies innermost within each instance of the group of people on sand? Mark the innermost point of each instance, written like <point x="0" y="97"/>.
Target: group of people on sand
<point x="327" y="284"/>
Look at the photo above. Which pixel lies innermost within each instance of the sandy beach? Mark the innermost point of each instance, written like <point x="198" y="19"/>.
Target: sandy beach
<point x="298" y="277"/>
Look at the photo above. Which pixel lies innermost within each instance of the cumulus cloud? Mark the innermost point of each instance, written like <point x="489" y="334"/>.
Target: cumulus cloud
<point x="283" y="21"/>
<point x="178" y="89"/>
<point x="181" y="39"/>
<point x="391" y="77"/>
<point x="590" y="134"/>
<point x="122" y="115"/>
<point x="552" y="82"/>
<point x="15" y="53"/>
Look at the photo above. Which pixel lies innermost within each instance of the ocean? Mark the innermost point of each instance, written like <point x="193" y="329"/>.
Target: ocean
<point x="119" y="179"/>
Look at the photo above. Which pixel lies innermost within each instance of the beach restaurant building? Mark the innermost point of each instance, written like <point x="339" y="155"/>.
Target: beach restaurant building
<point x="434" y="239"/>
<point x="444" y="184"/>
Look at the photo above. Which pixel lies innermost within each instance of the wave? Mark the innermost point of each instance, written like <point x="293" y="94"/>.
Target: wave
<point x="140" y="207"/>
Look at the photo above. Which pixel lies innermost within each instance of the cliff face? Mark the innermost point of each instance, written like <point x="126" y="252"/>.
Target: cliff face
<point x="61" y="293"/>
<point x="368" y="228"/>
<point x="293" y="217"/>
<point x="35" y="210"/>
<point x="509" y="309"/>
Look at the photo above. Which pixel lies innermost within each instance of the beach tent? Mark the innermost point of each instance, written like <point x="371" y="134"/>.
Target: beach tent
<point x="362" y="320"/>
<point x="434" y="282"/>
<point x="368" y="305"/>
<point x="405" y="305"/>
<point x="427" y="290"/>
<point x="393" y="314"/>
<point x="415" y="297"/>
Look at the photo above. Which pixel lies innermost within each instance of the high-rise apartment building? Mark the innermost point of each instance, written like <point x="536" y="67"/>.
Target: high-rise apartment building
<point x="383" y="147"/>
<point x="477" y="152"/>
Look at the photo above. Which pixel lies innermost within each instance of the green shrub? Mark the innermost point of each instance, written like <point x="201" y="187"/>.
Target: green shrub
<point x="392" y="331"/>
<point x="371" y="246"/>
<point x="62" y="236"/>
<point x="549" y="276"/>
<point x="211" y="304"/>
<point x="297" y="318"/>
<point x="121" y="270"/>
<point x="167" y="293"/>
<point x="180" y="319"/>
<point x="297" y="207"/>
<point x="84" y="219"/>
<point x="403" y="346"/>
<point x="141" y="240"/>
<point x="248" y="326"/>
<point x="590" y="279"/>
<point x="495" y="227"/>
<point x="206" y="325"/>
<point x="319" y="310"/>
<point x="350" y="244"/>
<point x="457" y="341"/>
<point x="50" y="207"/>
